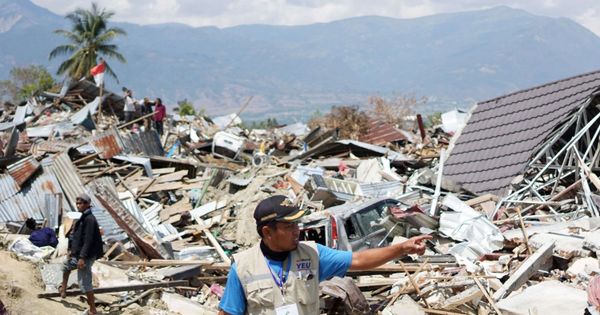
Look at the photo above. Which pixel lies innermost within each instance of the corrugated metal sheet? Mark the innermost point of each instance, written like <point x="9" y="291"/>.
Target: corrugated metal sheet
<point x="89" y="109"/>
<point x="8" y="186"/>
<point x="112" y="231"/>
<point x="22" y="170"/>
<point x="31" y="203"/>
<point x="503" y="133"/>
<point x="61" y="166"/>
<point x="380" y="132"/>
<point x="107" y="144"/>
<point x="52" y="208"/>
<point x="358" y="148"/>
<point x="53" y="146"/>
<point x="20" y="207"/>
<point x="381" y="189"/>
<point x="144" y="143"/>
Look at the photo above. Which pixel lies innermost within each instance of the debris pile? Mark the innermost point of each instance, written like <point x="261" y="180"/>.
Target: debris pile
<point x="511" y="200"/>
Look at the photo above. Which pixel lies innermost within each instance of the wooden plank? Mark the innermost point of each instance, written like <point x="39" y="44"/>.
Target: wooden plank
<point x="121" y="288"/>
<point x="176" y="208"/>
<point x="176" y="176"/>
<point x="432" y="311"/>
<point x="216" y="245"/>
<point x="112" y="249"/>
<point x="527" y="269"/>
<point x="144" y="189"/>
<point x="158" y="263"/>
<point x="394" y="268"/>
<point x="477" y="200"/>
<point x="487" y="295"/>
<point x="161" y="171"/>
<point x="174" y="186"/>
<point x="414" y="283"/>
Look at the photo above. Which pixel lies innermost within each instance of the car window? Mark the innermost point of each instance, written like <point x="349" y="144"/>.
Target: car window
<point x="365" y="218"/>
<point x="351" y="230"/>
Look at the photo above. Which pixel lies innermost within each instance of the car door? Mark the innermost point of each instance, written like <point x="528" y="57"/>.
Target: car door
<point x="354" y="234"/>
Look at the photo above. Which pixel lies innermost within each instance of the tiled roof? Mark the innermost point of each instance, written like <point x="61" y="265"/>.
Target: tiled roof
<point x="504" y="133"/>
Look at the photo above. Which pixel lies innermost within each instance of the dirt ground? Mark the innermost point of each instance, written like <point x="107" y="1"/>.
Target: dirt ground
<point x="20" y="282"/>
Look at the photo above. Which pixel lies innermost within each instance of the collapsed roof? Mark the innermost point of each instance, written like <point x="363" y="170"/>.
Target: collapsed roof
<point x="504" y="133"/>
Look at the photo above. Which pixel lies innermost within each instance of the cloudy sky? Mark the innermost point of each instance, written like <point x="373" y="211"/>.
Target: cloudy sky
<point x="223" y="13"/>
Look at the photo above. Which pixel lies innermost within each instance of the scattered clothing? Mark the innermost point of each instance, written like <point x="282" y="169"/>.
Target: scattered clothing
<point x="43" y="237"/>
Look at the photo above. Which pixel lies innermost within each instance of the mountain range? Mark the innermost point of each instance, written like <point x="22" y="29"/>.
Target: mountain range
<point x="453" y="59"/>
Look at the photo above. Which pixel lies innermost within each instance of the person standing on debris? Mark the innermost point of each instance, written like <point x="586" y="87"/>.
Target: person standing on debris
<point x="85" y="246"/>
<point x="129" y="108"/>
<point x="41" y="237"/>
<point x="281" y="275"/>
<point x="147" y="109"/>
<point x="160" y="112"/>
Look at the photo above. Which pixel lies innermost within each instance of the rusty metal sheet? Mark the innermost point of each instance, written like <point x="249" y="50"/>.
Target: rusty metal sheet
<point x="381" y="132"/>
<point x="31" y="204"/>
<point x="107" y="144"/>
<point x="22" y="170"/>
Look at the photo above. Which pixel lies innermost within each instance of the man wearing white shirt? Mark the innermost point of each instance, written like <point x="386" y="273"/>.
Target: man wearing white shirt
<point x="129" y="108"/>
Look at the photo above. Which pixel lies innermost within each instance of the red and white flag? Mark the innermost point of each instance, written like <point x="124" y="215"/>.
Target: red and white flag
<point x="98" y="73"/>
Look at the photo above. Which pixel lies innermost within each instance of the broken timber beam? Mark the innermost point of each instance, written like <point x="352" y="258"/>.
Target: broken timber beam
<point x="217" y="246"/>
<point x="121" y="288"/>
<point x="527" y="269"/>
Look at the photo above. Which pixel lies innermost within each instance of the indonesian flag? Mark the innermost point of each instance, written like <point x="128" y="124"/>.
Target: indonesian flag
<point x="98" y="73"/>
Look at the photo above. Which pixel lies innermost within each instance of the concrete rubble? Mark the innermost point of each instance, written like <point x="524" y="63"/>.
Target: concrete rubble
<point x="175" y="207"/>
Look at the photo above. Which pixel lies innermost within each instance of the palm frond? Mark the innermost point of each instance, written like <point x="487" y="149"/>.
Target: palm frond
<point x="112" y="53"/>
<point x="111" y="73"/>
<point x="62" y="50"/>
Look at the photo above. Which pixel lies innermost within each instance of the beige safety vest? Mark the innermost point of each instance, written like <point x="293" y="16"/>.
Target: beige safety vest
<point x="262" y="293"/>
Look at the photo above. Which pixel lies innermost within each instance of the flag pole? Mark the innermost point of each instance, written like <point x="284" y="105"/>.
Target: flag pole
<point x="100" y="106"/>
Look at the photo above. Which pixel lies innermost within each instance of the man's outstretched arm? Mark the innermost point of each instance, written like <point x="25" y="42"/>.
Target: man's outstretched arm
<point x="376" y="257"/>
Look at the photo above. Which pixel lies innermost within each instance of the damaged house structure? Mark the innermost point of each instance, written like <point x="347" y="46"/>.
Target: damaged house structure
<point x="534" y="148"/>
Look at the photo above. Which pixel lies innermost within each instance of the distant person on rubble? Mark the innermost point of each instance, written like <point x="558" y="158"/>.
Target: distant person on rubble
<point x="281" y="275"/>
<point x="41" y="237"/>
<point x="147" y="109"/>
<point x="85" y="246"/>
<point x="129" y="108"/>
<point x="160" y="112"/>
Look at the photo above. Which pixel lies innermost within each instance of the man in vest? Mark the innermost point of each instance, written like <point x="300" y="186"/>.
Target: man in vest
<point x="281" y="275"/>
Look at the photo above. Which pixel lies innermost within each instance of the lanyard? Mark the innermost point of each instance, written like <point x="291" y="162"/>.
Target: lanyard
<point x="281" y="277"/>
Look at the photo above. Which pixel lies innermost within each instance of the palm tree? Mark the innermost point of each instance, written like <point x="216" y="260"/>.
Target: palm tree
<point x="89" y="37"/>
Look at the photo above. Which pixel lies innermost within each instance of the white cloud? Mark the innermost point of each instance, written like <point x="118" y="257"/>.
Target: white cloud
<point x="224" y="13"/>
<point x="591" y="20"/>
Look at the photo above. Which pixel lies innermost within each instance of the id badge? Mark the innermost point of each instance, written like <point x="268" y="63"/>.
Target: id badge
<point x="290" y="309"/>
